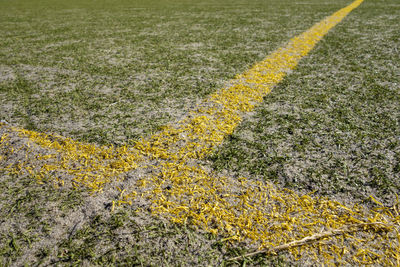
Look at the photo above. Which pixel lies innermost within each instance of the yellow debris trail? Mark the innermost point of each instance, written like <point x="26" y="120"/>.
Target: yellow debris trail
<point x="62" y="159"/>
<point x="255" y="212"/>
<point x="217" y="117"/>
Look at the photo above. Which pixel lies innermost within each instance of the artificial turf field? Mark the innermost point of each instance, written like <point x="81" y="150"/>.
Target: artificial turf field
<point x="109" y="72"/>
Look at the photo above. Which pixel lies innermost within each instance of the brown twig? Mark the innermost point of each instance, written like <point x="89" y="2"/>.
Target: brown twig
<point x="314" y="238"/>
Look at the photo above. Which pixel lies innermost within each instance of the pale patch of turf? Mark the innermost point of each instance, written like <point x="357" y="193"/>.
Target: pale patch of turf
<point x="30" y="213"/>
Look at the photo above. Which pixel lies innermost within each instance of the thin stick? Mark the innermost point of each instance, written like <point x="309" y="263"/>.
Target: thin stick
<point x="314" y="238"/>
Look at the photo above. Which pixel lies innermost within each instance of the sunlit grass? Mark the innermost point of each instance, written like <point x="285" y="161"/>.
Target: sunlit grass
<point x="106" y="72"/>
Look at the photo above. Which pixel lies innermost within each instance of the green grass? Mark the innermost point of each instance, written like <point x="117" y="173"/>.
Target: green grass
<point x="332" y="126"/>
<point x="110" y="71"/>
